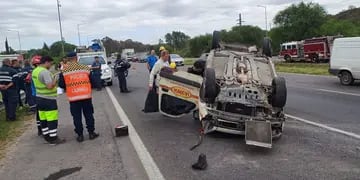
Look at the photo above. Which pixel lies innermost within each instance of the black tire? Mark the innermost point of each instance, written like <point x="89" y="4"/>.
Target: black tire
<point x="215" y="40"/>
<point x="279" y="92"/>
<point x="315" y="58"/>
<point x="287" y="58"/>
<point x="209" y="90"/>
<point x="346" y="78"/>
<point x="109" y="83"/>
<point x="267" y="50"/>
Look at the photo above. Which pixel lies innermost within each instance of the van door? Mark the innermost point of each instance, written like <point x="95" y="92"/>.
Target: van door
<point x="178" y="92"/>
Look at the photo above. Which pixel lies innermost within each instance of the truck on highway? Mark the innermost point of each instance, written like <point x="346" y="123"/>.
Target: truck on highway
<point x="86" y="55"/>
<point x="316" y="49"/>
<point x="345" y="60"/>
<point x="128" y="54"/>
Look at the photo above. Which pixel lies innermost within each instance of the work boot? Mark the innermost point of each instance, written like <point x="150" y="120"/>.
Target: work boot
<point x="93" y="135"/>
<point x="39" y="131"/>
<point x="57" y="141"/>
<point x="80" y="139"/>
<point x="201" y="164"/>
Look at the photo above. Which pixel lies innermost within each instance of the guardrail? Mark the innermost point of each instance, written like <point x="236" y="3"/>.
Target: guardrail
<point x="22" y="94"/>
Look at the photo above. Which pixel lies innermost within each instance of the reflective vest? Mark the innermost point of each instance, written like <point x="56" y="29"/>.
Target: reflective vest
<point x="77" y="82"/>
<point x="41" y="89"/>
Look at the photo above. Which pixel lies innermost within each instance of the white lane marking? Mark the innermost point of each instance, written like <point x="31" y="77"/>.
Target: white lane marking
<point x="338" y="92"/>
<point x="350" y="134"/>
<point x="147" y="161"/>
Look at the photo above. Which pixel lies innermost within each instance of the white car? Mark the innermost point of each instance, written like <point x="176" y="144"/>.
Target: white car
<point x="345" y="60"/>
<point x="106" y="72"/>
<point x="179" y="61"/>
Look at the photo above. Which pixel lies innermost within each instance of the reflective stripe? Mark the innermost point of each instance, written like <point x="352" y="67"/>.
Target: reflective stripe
<point x="5" y="77"/>
<point x="53" y="131"/>
<point x="53" y="135"/>
<point x="45" y="129"/>
<point x="45" y="132"/>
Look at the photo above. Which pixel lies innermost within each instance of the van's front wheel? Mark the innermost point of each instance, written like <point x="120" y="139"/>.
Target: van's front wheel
<point x="346" y="78"/>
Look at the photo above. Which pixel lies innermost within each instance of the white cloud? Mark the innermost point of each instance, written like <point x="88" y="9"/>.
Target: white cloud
<point x="142" y="20"/>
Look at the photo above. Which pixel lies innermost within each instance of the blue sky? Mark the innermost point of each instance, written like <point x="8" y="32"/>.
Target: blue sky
<point x="140" y="20"/>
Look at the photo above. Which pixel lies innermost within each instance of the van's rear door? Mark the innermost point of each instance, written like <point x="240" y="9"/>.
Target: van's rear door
<point x="178" y="92"/>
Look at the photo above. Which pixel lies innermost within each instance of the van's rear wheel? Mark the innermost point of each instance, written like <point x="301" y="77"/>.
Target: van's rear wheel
<point x="346" y="78"/>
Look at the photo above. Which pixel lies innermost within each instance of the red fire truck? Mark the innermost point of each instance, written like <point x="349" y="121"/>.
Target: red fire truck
<point x="314" y="50"/>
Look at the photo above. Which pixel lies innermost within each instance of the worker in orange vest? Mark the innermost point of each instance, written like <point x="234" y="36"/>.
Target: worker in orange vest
<point x="75" y="80"/>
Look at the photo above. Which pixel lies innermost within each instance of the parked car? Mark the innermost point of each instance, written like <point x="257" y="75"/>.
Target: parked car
<point x="345" y="60"/>
<point x="177" y="59"/>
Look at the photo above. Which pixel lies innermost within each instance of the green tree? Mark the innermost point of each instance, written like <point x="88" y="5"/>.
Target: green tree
<point x="56" y="48"/>
<point x="247" y="35"/>
<point x="177" y="40"/>
<point x="339" y="27"/>
<point x="199" y="44"/>
<point x="300" y="21"/>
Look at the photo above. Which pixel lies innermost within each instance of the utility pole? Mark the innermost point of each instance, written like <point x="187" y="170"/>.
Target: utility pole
<point x="61" y="34"/>
<point x="240" y="20"/>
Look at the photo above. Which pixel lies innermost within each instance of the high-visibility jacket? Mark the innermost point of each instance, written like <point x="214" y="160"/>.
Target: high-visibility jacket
<point x="77" y="82"/>
<point x="41" y="89"/>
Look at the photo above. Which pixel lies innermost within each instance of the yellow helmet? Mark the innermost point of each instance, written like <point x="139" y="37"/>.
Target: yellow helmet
<point x="162" y="48"/>
<point x="173" y="65"/>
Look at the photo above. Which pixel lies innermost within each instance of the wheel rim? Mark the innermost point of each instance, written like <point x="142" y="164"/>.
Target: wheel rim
<point x="346" y="77"/>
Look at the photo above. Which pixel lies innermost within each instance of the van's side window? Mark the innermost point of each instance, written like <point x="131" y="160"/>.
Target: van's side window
<point x="288" y="47"/>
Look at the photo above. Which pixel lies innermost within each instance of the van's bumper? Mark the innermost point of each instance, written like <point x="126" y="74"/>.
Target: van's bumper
<point x="334" y="71"/>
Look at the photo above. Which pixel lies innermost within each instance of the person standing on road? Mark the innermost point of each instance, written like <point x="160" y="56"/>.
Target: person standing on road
<point x="35" y="61"/>
<point x="26" y="76"/>
<point x="20" y="81"/>
<point x="151" y="60"/>
<point x="8" y="80"/>
<point x="75" y="80"/>
<point x="96" y="72"/>
<point x="46" y="93"/>
<point x="151" y="102"/>
<point x="121" y="66"/>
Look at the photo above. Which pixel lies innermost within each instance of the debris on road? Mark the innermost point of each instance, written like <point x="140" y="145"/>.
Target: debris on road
<point x="62" y="173"/>
<point x="201" y="164"/>
<point x="121" y="130"/>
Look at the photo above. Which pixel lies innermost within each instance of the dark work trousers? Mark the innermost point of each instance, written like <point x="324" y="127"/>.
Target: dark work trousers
<point x="30" y="99"/>
<point x="48" y="115"/>
<point x="19" y="97"/>
<point x="10" y="100"/>
<point x="122" y="81"/>
<point x="97" y="80"/>
<point x="37" y="117"/>
<point x="77" y="108"/>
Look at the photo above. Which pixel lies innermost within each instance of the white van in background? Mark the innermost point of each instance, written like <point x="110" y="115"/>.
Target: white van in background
<point x="345" y="60"/>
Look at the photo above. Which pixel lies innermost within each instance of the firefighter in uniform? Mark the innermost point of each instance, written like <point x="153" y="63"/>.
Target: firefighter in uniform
<point x="121" y="66"/>
<point x="35" y="61"/>
<point x="76" y="82"/>
<point x="46" y="93"/>
<point x="8" y="80"/>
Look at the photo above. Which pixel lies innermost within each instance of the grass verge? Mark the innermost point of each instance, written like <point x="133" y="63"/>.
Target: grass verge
<point x="300" y="68"/>
<point x="303" y="68"/>
<point x="9" y="131"/>
<point x="189" y="61"/>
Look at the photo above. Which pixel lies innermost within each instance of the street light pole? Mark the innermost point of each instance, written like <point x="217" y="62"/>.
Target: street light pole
<point x="61" y="34"/>
<point x="18" y="33"/>
<point x="78" y="28"/>
<point x="265" y="18"/>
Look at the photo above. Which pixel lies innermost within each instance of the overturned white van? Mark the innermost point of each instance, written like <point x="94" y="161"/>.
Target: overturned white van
<point x="345" y="60"/>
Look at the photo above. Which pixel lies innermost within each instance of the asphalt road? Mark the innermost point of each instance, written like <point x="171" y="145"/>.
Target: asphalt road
<point x="303" y="152"/>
